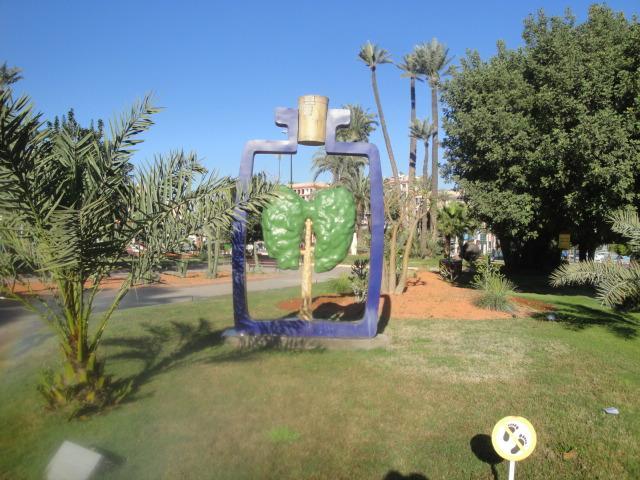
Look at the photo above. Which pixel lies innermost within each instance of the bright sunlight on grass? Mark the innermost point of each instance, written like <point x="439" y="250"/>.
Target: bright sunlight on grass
<point x="203" y="410"/>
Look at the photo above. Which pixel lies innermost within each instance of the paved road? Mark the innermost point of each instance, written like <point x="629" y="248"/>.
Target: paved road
<point x="153" y="295"/>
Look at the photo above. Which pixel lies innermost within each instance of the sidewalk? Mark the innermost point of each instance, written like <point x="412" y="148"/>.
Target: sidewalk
<point x="140" y="296"/>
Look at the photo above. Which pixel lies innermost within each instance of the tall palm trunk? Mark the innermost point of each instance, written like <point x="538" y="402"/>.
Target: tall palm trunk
<point x="410" y="202"/>
<point x="433" y="207"/>
<point x="393" y="256"/>
<point x="391" y="270"/>
<point x="412" y="139"/>
<point x="402" y="281"/>
<point x="425" y="186"/>
<point x="383" y="124"/>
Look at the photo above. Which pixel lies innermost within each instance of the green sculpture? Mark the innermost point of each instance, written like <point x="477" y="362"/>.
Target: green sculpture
<point x="289" y="220"/>
<point x="283" y="227"/>
<point x="333" y="214"/>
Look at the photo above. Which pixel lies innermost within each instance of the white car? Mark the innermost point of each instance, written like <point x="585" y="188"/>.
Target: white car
<point x="602" y="257"/>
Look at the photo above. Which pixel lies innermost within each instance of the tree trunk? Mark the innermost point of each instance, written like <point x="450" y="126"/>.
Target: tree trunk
<point x="412" y="139"/>
<point x="209" y="235"/>
<point x="410" y="204"/>
<point x="402" y="282"/>
<point x="306" y="311"/>
<point x="385" y="133"/>
<point x="447" y="246"/>
<point x="384" y="284"/>
<point x="586" y="251"/>
<point x="433" y="208"/>
<point x="424" y="230"/>
<point x="393" y="255"/>
<point x="256" y="260"/>
<point x="216" y="257"/>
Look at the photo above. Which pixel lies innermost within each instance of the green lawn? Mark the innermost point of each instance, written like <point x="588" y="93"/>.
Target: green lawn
<point x="204" y="410"/>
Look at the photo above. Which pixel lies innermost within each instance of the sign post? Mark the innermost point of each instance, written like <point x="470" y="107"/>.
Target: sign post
<point x="564" y="241"/>
<point x="513" y="438"/>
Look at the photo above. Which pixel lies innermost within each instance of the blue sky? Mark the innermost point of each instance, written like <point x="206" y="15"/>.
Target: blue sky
<point x="220" y="68"/>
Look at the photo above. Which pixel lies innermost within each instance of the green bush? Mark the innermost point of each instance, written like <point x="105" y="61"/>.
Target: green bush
<point x="341" y="285"/>
<point x="495" y="288"/>
<point x="359" y="279"/>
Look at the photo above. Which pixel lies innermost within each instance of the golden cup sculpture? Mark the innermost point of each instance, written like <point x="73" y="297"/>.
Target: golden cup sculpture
<point x="312" y="119"/>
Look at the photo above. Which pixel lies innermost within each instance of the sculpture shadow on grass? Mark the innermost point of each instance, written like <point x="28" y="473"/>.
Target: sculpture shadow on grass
<point x="339" y="312"/>
<point x="173" y="345"/>
<point x="395" y="475"/>
<point x="578" y="317"/>
<point x="482" y="448"/>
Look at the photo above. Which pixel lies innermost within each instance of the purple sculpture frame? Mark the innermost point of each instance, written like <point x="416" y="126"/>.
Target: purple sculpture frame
<point x="367" y="326"/>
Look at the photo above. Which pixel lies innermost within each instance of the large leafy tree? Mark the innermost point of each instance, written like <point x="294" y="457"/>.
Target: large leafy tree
<point x="69" y="206"/>
<point x="546" y="139"/>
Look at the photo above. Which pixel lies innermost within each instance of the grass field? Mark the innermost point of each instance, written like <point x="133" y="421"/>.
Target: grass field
<point x="425" y="405"/>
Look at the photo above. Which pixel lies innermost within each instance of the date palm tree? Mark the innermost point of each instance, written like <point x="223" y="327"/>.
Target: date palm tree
<point x="411" y="70"/>
<point x="70" y="205"/>
<point x="9" y="75"/>
<point x="372" y="56"/>
<point x="433" y="57"/>
<point x="616" y="285"/>
<point x="423" y="130"/>
<point x="454" y="222"/>
<point x="346" y="170"/>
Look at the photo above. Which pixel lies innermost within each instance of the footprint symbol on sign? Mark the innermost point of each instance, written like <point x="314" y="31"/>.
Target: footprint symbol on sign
<point x="522" y="440"/>
<point x="512" y="428"/>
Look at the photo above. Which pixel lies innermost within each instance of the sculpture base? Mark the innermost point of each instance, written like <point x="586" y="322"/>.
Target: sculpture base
<point x="283" y="342"/>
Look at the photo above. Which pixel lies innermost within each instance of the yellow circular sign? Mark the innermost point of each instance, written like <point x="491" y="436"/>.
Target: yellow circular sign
<point x="514" y="438"/>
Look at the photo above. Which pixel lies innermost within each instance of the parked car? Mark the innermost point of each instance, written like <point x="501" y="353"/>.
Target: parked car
<point x="602" y="257"/>
<point x="623" y="259"/>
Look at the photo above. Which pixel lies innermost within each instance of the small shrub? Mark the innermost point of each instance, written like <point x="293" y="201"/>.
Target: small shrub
<point x="450" y="269"/>
<point x="470" y="252"/>
<point x="495" y="288"/>
<point x="341" y="285"/>
<point x="435" y="247"/>
<point x="359" y="279"/>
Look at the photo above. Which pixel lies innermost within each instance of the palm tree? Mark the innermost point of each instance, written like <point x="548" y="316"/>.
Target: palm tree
<point x="70" y="206"/>
<point x="454" y="223"/>
<point x="361" y="125"/>
<point x="616" y="285"/>
<point x="372" y="56"/>
<point x="349" y="170"/>
<point x="411" y="68"/>
<point x="433" y="58"/>
<point x="9" y="75"/>
<point x="341" y="167"/>
<point x="423" y="130"/>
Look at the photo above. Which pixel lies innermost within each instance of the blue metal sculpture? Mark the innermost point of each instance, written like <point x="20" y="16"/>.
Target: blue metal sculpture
<point x="366" y="327"/>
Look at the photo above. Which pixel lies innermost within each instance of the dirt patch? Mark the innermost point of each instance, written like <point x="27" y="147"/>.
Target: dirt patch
<point x="427" y="296"/>
<point x="533" y="305"/>
<point x="192" y="279"/>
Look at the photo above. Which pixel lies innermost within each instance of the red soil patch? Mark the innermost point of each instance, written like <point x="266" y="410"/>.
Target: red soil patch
<point x="534" y="305"/>
<point x="427" y="296"/>
<point x="192" y="279"/>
